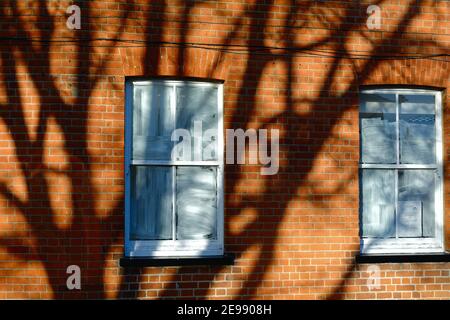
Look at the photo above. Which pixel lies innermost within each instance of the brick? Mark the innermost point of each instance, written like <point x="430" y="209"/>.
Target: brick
<point x="294" y="234"/>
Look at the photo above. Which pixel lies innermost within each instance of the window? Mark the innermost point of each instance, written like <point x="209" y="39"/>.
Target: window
<point x="401" y="201"/>
<point x="174" y="168"/>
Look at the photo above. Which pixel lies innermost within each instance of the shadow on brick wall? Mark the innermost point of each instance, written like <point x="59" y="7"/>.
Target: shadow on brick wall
<point x="56" y="248"/>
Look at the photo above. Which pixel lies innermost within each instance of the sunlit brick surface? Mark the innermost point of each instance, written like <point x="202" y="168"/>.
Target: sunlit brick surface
<point x="294" y="234"/>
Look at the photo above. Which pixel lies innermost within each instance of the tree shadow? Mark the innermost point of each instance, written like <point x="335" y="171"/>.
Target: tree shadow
<point x="58" y="248"/>
<point x="90" y="237"/>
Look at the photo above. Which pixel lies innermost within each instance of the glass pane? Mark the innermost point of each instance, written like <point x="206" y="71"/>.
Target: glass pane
<point x="153" y="122"/>
<point x="417" y="129"/>
<point x="378" y="203"/>
<point x="416" y="203"/>
<point x="197" y="112"/>
<point x="378" y="128"/>
<point x="196" y="203"/>
<point x="151" y="206"/>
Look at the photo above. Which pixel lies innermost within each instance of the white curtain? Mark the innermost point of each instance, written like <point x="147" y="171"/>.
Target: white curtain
<point x="196" y="203"/>
<point x="417" y="121"/>
<point x="199" y="104"/>
<point x="378" y="203"/>
<point x="378" y="130"/>
<point x="378" y="141"/>
<point x="153" y="190"/>
<point x="416" y="203"/>
<point x="153" y="122"/>
<point x="152" y="203"/>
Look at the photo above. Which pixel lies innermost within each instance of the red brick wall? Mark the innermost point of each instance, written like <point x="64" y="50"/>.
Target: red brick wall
<point x="295" y="234"/>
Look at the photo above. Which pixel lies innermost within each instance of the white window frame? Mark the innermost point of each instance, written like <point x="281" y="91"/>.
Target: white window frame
<point x="410" y="245"/>
<point x="173" y="248"/>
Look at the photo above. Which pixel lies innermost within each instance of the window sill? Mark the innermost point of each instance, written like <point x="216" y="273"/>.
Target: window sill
<point x="227" y="259"/>
<point x="395" y="258"/>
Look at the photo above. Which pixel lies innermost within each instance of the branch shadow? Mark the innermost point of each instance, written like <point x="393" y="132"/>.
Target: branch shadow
<point x="58" y="248"/>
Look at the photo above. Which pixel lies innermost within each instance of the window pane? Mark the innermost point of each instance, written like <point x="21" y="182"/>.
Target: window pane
<point x="196" y="202"/>
<point x="151" y="206"/>
<point x="416" y="203"/>
<point x="378" y="199"/>
<point x="198" y="105"/>
<point x="153" y="122"/>
<point x="417" y="129"/>
<point x="378" y="128"/>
